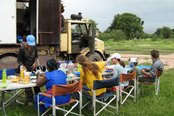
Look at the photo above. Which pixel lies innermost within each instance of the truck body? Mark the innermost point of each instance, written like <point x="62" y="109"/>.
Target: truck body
<point x="42" y="19"/>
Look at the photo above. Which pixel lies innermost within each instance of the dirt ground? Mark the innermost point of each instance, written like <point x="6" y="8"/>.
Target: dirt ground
<point x="168" y="60"/>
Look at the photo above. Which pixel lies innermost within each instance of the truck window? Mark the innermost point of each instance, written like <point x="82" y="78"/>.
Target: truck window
<point x="79" y="29"/>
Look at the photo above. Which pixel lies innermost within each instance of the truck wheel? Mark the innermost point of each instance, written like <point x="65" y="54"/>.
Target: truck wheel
<point x="95" y="57"/>
<point x="7" y="61"/>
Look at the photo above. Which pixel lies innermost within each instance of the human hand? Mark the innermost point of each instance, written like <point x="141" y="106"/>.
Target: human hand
<point x="33" y="66"/>
<point x="143" y="70"/>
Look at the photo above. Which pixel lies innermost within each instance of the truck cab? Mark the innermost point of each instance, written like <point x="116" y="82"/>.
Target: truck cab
<point x="77" y="37"/>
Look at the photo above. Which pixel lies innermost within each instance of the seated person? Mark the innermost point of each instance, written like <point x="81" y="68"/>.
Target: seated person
<point x="119" y="67"/>
<point x="133" y="62"/>
<point x="52" y="77"/>
<point x="148" y="75"/>
<point x="90" y="71"/>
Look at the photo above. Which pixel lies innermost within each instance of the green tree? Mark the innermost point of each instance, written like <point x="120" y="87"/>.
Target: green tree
<point x="158" y="32"/>
<point x="166" y="32"/>
<point x="129" y="23"/>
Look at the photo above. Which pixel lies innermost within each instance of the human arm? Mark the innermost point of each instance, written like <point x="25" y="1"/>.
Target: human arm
<point x="35" y="58"/>
<point x="41" y="80"/>
<point x="147" y="74"/>
<point x="109" y="67"/>
<point x="21" y="56"/>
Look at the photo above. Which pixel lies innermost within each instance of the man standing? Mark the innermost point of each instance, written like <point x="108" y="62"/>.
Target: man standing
<point x="27" y="57"/>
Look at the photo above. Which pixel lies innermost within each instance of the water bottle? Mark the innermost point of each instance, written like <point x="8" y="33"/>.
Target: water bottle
<point x="63" y="67"/>
<point x="71" y="67"/>
<point x="21" y="73"/>
<point x="4" y="76"/>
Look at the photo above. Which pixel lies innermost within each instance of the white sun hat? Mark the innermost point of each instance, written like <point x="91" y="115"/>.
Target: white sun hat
<point x="133" y="60"/>
<point x="116" y="55"/>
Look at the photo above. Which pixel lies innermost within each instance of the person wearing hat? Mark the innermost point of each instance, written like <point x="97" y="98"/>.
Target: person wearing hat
<point x="133" y="62"/>
<point x="118" y="68"/>
<point x="27" y="57"/>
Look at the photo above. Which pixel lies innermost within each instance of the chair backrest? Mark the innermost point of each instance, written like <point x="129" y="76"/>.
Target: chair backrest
<point x="66" y="89"/>
<point x="98" y="84"/>
<point x="9" y="71"/>
<point x="127" y="77"/>
<point x="159" y="73"/>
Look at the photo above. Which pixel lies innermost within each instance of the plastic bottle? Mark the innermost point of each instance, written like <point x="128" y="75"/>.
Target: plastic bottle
<point x="71" y="67"/>
<point x="4" y="76"/>
<point x="63" y="66"/>
<point x="21" y="73"/>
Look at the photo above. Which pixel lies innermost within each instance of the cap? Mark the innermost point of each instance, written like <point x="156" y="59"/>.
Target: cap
<point x="116" y="55"/>
<point x="133" y="60"/>
<point x="31" y="40"/>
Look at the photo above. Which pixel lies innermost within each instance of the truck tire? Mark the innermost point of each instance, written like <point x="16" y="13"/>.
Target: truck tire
<point x="95" y="57"/>
<point x="8" y="61"/>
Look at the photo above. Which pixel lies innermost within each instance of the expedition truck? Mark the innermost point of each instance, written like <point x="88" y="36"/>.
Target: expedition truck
<point x="42" y="18"/>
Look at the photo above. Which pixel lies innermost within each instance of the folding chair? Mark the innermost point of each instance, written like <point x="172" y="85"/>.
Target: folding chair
<point x="130" y="88"/>
<point x="62" y="90"/>
<point x="98" y="84"/>
<point x="156" y="83"/>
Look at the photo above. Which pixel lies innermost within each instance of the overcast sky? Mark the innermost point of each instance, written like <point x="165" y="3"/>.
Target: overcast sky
<point x="154" y="13"/>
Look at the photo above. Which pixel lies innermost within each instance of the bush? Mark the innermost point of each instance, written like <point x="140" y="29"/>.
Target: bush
<point x="115" y="35"/>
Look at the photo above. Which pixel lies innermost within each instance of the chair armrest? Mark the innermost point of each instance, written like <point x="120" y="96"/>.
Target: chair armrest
<point x="46" y="94"/>
<point x="86" y="88"/>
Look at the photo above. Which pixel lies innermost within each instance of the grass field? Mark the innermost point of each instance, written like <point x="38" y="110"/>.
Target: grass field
<point x="142" y="46"/>
<point x="147" y="104"/>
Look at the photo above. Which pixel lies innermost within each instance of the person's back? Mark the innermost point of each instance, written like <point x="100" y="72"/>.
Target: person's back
<point x="90" y="72"/>
<point x="57" y="77"/>
<point x="88" y="78"/>
<point x="157" y="65"/>
<point x="118" y="69"/>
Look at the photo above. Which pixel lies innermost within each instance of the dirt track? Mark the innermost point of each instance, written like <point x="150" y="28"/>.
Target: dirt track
<point x="168" y="60"/>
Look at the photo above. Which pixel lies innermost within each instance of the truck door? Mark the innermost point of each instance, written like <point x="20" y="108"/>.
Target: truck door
<point x="8" y="21"/>
<point x="49" y="21"/>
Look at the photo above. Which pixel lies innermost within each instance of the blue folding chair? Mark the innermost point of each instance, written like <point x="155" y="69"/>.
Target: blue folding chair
<point x="109" y="95"/>
<point x="10" y="71"/>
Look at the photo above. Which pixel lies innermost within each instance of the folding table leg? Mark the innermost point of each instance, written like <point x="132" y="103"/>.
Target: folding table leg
<point x="2" y="103"/>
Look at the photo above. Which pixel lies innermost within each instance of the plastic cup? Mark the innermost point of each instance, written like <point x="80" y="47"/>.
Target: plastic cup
<point x="26" y="77"/>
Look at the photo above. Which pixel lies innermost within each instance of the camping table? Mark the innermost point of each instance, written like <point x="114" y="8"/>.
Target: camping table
<point x="12" y="86"/>
<point x="18" y="86"/>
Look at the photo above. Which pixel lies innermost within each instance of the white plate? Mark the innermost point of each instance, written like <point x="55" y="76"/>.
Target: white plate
<point x="34" y="81"/>
<point x="33" y="77"/>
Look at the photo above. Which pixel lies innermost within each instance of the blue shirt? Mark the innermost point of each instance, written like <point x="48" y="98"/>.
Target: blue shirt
<point x="118" y="69"/>
<point x="55" y="77"/>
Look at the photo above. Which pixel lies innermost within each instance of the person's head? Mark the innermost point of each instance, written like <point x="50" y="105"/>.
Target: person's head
<point x="154" y="54"/>
<point x="81" y="59"/>
<point x="30" y="40"/>
<point x="62" y="8"/>
<point x="87" y="65"/>
<point x="52" y="65"/>
<point x="115" y="58"/>
<point x="133" y="61"/>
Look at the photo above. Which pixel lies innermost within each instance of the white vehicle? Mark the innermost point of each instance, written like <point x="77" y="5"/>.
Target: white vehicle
<point x="18" y="18"/>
